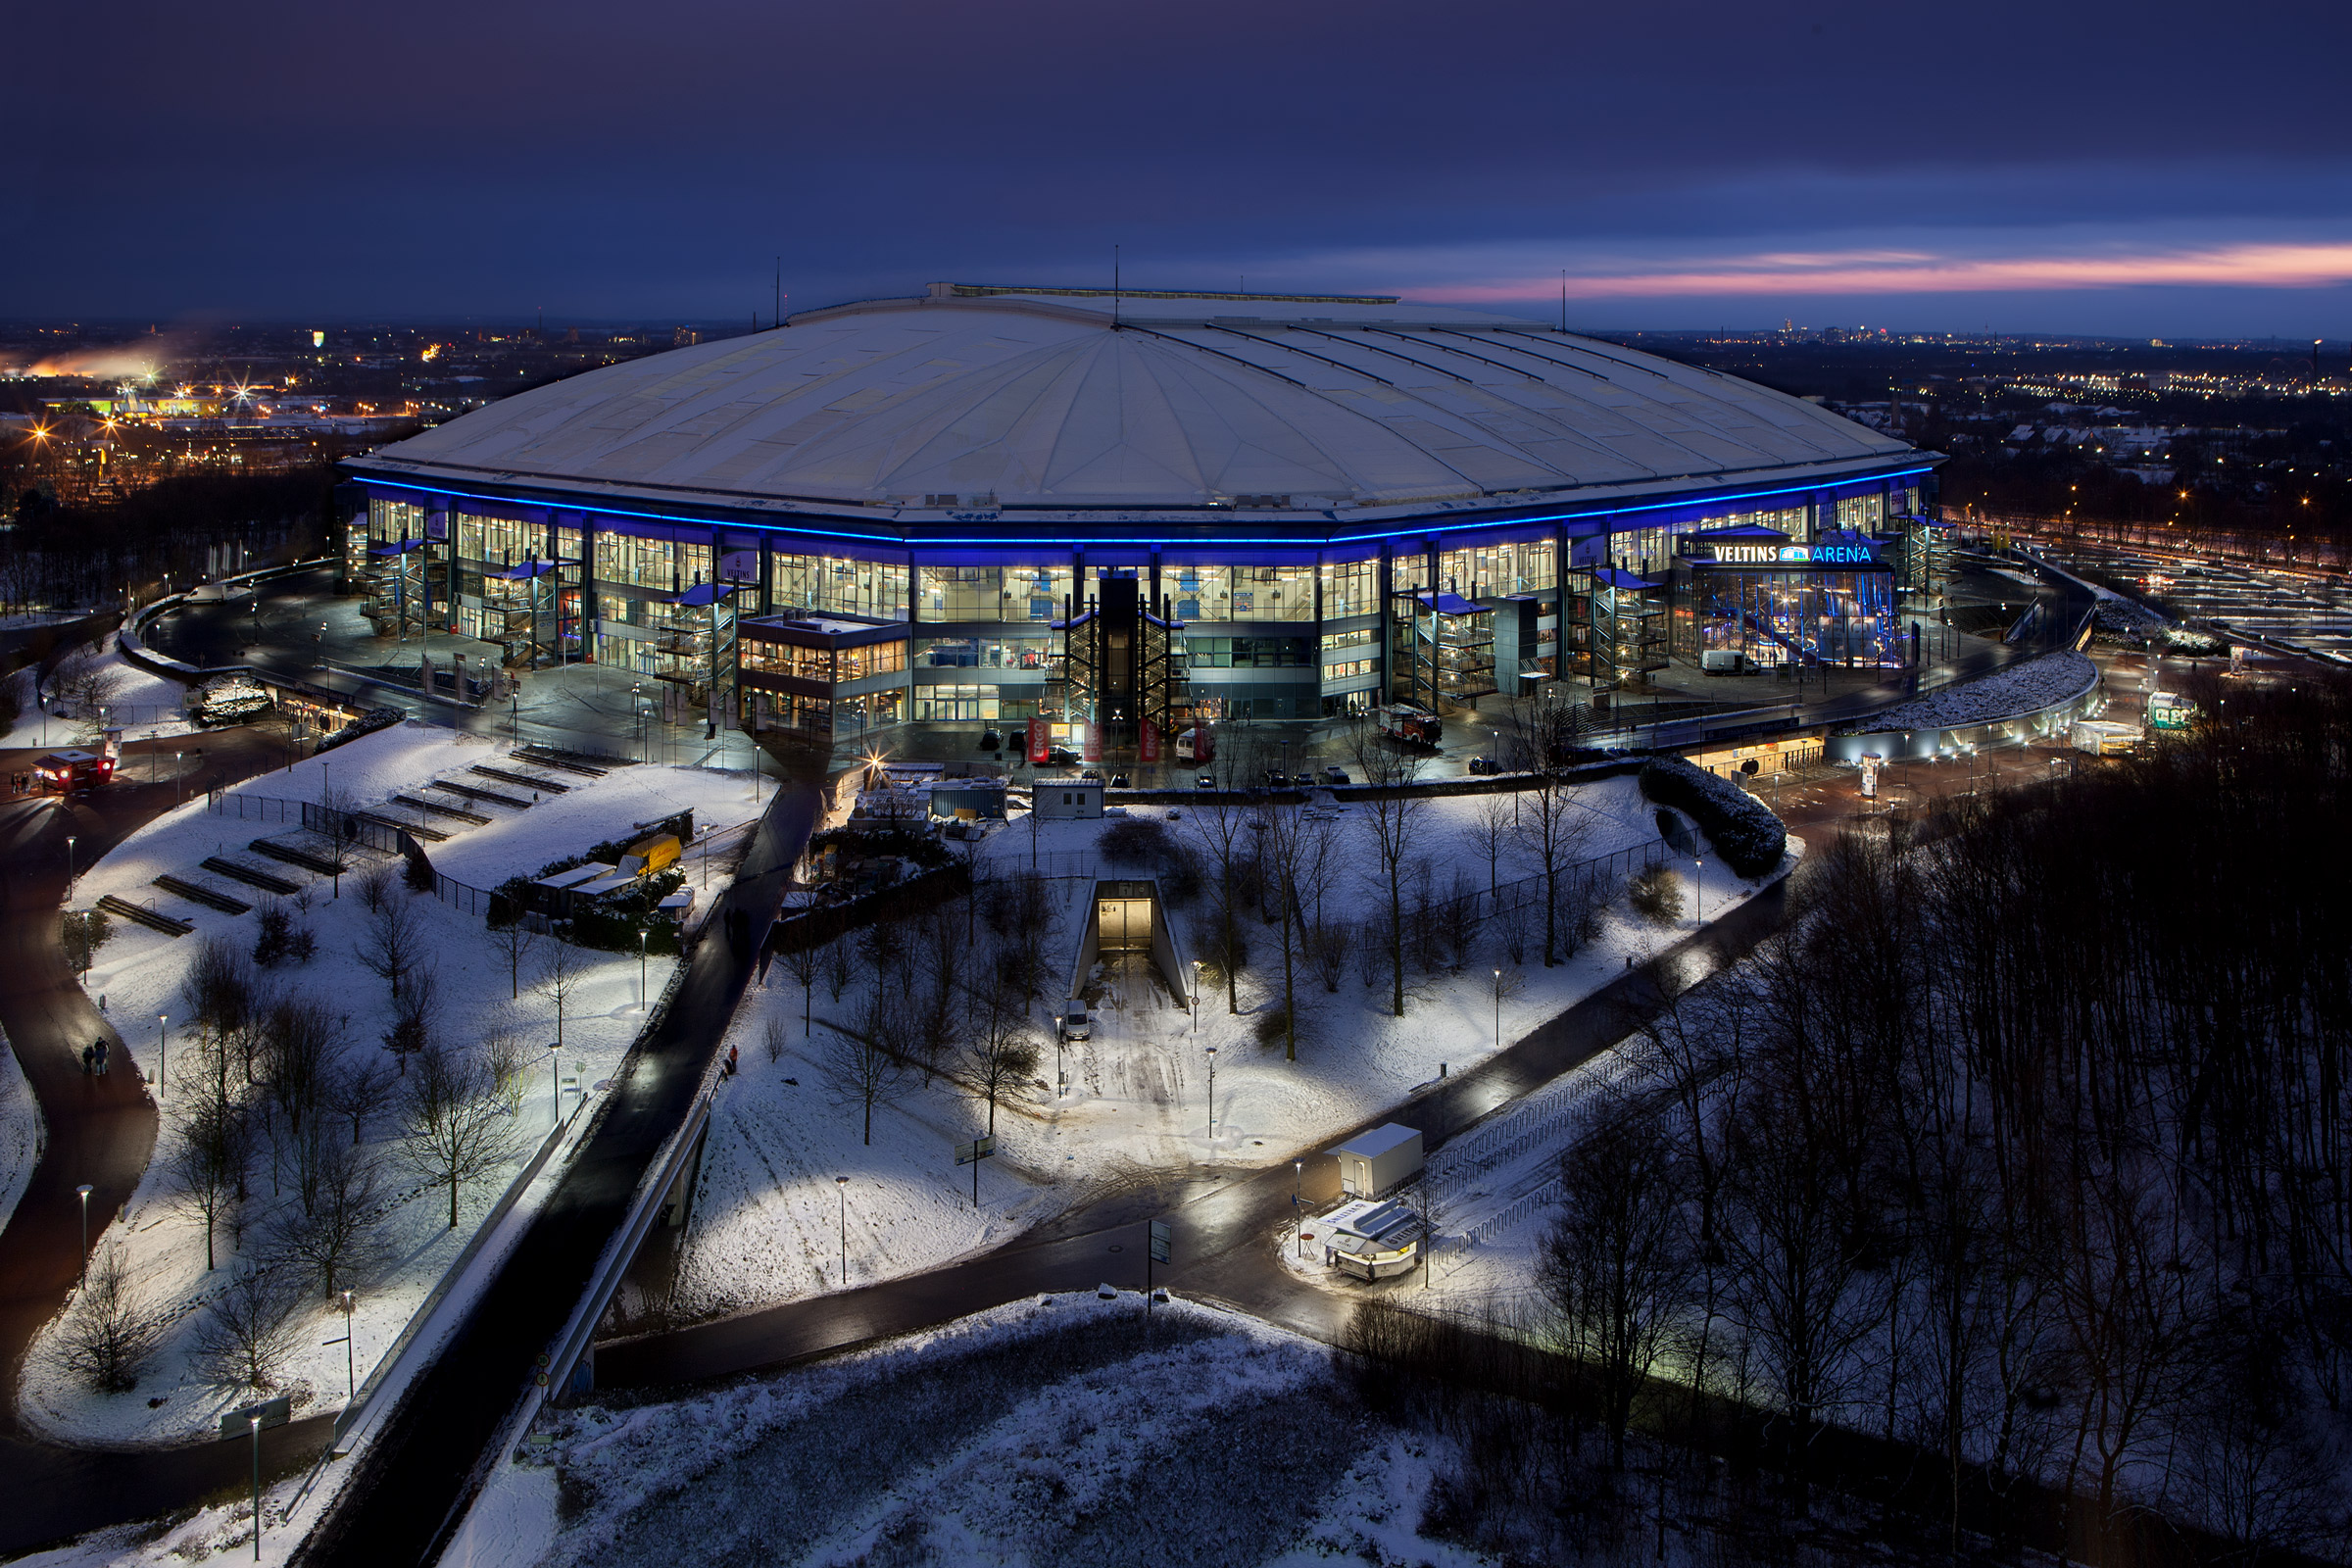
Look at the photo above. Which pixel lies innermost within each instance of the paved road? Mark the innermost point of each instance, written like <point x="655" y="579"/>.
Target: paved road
<point x="417" y="1477"/>
<point x="99" y="1131"/>
<point x="586" y="707"/>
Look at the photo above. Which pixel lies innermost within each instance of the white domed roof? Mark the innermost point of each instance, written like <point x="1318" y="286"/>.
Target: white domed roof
<point x="1041" y="400"/>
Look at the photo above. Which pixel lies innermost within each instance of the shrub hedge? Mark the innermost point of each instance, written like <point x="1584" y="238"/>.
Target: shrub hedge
<point x="1742" y="828"/>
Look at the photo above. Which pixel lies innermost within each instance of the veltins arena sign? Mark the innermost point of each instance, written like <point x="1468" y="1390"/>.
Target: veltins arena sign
<point x="1840" y="555"/>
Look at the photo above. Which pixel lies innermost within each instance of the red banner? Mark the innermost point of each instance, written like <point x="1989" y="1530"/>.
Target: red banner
<point x="1041" y="740"/>
<point x="1204" y="744"/>
<point x="1094" y="742"/>
<point x="1147" y="744"/>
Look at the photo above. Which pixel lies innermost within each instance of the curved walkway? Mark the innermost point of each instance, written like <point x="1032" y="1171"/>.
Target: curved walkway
<point x="1221" y="1220"/>
<point x="96" y="1130"/>
<point x="416" y="1477"/>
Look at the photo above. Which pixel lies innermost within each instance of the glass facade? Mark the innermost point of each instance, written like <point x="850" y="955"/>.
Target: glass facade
<point x="1255" y="638"/>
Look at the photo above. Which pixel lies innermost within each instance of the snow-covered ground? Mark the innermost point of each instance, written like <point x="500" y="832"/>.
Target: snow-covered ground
<point x="769" y="1212"/>
<point x="140" y="974"/>
<point x="1051" y="1431"/>
<point x="19" y="1131"/>
<point x="137" y="702"/>
<point x="2036" y="683"/>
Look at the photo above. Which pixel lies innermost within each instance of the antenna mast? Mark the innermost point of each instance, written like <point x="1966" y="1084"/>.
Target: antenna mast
<point x="1114" y="288"/>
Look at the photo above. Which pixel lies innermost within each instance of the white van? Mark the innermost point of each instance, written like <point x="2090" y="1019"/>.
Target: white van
<point x="1073" y="1023"/>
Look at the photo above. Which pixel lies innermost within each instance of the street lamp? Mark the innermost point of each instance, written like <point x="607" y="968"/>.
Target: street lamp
<point x="1699" y="890"/>
<point x="555" y="1078"/>
<point x="1196" y="998"/>
<point x="840" y="1185"/>
<point x="179" y="788"/>
<point x="253" y="1424"/>
<point x="1298" y="1171"/>
<point x="1213" y="1093"/>
<point x="1499" y="1009"/>
<point x="70" y="875"/>
<point x="84" y="1190"/>
<point x="163" y="1053"/>
<point x="641" y="930"/>
<point x="351" y="1365"/>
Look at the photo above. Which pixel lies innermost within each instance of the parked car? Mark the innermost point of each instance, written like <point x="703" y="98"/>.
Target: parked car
<point x="1485" y="765"/>
<point x="1205" y="782"/>
<point x="1118" y="781"/>
<point x="1277" y="779"/>
<point x="1073" y="1023"/>
<point x="1094" y="773"/>
<point x="1060" y="757"/>
<point x="1335" y="774"/>
<point x="1305" y="781"/>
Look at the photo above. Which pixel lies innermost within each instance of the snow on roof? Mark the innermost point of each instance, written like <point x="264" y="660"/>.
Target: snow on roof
<point x="1378" y="1142"/>
<point x="950" y="403"/>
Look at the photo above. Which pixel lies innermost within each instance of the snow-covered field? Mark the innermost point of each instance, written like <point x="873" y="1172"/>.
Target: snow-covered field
<point x="19" y="1131"/>
<point x="1051" y="1431"/>
<point x="769" y="1212"/>
<point x="140" y="974"/>
<point x="2022" y="688"/>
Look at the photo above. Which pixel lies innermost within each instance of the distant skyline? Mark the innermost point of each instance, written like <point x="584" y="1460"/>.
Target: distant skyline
<point x="2164" y="170"/>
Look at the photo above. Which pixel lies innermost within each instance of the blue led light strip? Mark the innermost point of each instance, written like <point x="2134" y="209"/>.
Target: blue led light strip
<point x="1067" y="541"/>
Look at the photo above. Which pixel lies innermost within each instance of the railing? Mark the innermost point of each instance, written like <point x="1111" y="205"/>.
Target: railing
<point x="344" y="827"/>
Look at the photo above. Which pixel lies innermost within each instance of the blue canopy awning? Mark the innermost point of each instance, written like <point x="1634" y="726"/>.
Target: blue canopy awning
<point x="1450" y="605"/>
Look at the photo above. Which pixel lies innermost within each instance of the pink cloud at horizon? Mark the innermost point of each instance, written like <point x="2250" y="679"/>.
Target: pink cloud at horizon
<point x="2234" y="266"/>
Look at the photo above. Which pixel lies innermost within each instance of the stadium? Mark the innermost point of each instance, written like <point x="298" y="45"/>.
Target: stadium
<point x="1113" y="518"/>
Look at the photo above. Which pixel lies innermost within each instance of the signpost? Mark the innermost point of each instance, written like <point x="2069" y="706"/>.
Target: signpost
<point x="253" y="1418"/>
<point x="972" y="1154"/>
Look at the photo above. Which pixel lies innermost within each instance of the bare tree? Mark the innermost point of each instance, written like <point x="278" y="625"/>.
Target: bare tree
<point x="838" y="969"/>
<point x="1615" y="1266"/>
<point x="858" y="1072"/>
<point x="378" y="887"/>
<point x="1221" y="825"/>
<point x="360" y="1087"/>
<point x="336" y="1238"/>
<point x="514" y="942"/>
<point x="111" y="1332"/>
<point x="1002" y="1053"/>
<point x="208" y="1160"/>
<point x="218" y="994"/>
<point x="300" y="1036"/>
<point x="1396" y="816"/>
<point x="775" y="1037"/>
<point x="453" y="1129"/>
<point x="393" y="940"/>
<point x="1558" y="826"/>
<point x="802" y="964"/>
<point x="1494" y="833"/>
<point x="248" y="1329"/>
<point x="415" y="1015"/>
<point x="560" y="978"/>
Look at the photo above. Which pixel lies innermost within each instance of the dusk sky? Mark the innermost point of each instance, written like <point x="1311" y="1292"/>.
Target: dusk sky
<point x="2141" y="170"/>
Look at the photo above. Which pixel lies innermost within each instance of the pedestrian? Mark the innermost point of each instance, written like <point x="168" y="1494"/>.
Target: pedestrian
<point x="731" y="1061"/>
<point x="89" y="1055"/>
<point x="100" y="1048"/>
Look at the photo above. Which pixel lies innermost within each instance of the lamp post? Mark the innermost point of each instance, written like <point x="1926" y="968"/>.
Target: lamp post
<point x="253" y="1424"/>
<point x="163" y="1053"/>
<point x="641" y="930"/>
<point x="1699" y="891"/>
<point x="1499" y="1009"/>
<point x="84" y="1190"/>
<point x="1298" y="1171"/>
<point x="555" y="1078"/>
<point x="179" y="788"/>
<point x="351" y="1365"/>
<point x="1212" y="1095"/>
<point x="840" y="1185"/>
<point x="1196" y="998"/>
<point x="72" y="876"/>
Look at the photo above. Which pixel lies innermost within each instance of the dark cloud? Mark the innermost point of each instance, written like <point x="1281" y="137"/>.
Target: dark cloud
<point x="614" y="160"/>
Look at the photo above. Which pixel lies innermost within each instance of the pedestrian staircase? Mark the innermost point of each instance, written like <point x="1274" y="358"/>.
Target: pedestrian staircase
<point x="140" y="915"/>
